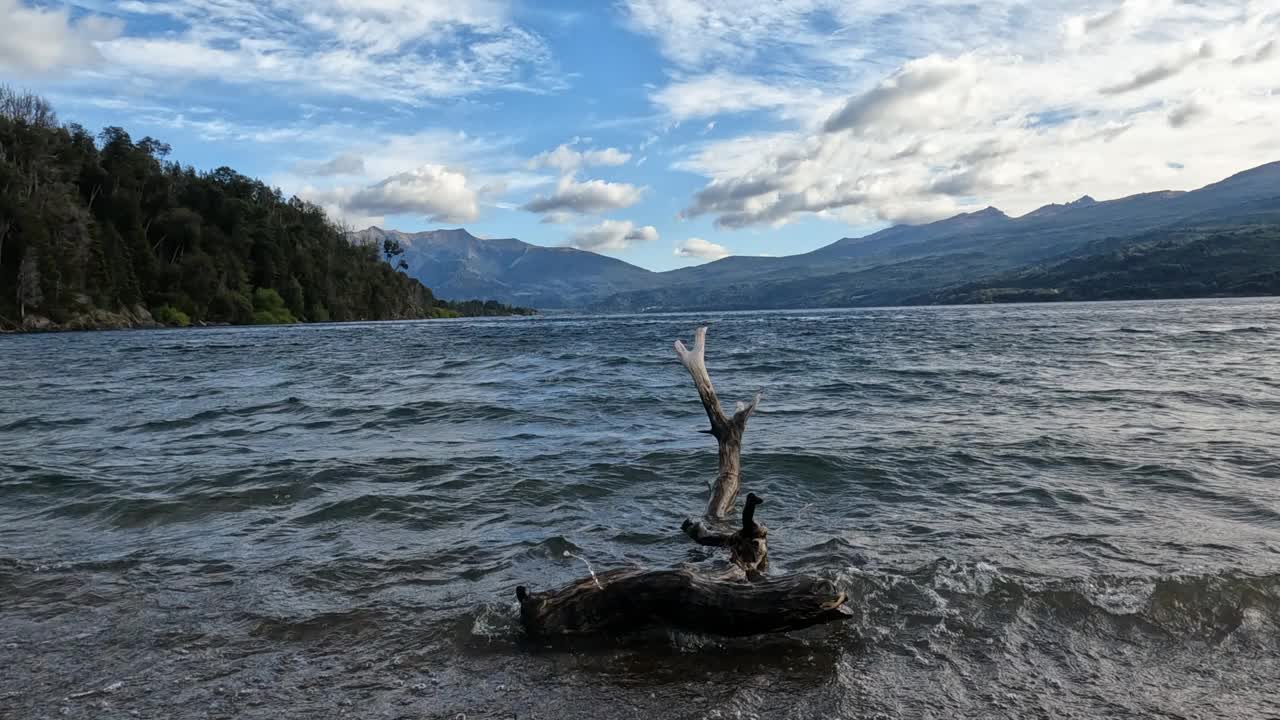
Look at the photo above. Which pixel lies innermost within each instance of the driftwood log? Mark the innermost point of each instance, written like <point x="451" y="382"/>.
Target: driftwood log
<point x="626" y="600"/>
<point x="741" y="601"/>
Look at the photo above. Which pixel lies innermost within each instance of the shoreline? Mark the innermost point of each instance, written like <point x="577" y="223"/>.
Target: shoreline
<point x="41" y="325"/>
<point x="45" y="325"/>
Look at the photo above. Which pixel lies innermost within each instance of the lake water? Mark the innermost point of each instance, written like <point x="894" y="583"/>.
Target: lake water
<point x="1038" y="512"/>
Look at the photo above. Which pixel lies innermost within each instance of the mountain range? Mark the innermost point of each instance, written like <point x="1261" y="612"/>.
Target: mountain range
<point x="965" y="258"/>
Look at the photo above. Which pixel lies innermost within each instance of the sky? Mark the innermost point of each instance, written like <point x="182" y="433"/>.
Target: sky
<point x="671" y="132"/>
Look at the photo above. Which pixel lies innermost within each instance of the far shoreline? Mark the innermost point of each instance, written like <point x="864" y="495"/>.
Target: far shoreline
<point x="51" y="328"/>
<point x="553" y="313"/>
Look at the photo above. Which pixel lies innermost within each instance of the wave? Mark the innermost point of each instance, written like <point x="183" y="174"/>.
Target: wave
<point x="39" y="423"/>
<point x="978" y="599"/>
<point x="289" y="405"/>
<point x="434" y="410"/>
<point x="975" y="601"/>
<point x="1239" y="330"/>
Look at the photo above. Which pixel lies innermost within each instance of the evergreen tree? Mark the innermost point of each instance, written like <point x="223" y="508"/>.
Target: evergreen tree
<point x="29" y="292"/>
<point x="109" y="223"/>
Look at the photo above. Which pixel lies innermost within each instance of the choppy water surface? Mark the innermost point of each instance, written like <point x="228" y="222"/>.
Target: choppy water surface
<point x="1049" y="511"/>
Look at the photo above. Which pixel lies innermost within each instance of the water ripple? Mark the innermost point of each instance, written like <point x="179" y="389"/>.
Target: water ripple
<point x="1038" y="511"/>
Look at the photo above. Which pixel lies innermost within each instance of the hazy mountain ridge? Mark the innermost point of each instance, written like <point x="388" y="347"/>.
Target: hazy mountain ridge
<point x="460" y="264"/>
<point x="903" y="263"/>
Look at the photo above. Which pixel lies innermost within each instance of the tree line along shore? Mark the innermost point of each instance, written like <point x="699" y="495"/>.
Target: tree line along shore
<point x="102" y="231"/>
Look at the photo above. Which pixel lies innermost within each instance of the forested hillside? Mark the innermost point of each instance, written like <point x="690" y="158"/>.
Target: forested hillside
<point x="103" y="231"/>
<point x="1225" y="262"/>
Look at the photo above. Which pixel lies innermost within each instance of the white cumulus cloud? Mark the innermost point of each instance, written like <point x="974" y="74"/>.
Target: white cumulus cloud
<point x="567" y="160"/>
<point x="439" y="193"/>
<point x="696" y="247"/>
<point x="612" y="235"/>
<point x="438" y="173"/>
<point x="587" y="197"/>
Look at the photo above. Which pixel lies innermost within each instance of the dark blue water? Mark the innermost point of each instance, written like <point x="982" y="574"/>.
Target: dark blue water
<point x="1042" y="511"/>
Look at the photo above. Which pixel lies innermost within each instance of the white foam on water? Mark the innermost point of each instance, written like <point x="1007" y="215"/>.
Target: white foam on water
<point x="491" y="623"/>
<point x="1127" y="597"/>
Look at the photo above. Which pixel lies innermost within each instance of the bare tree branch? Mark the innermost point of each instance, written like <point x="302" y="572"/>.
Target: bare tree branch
<point x="727" y="431"/>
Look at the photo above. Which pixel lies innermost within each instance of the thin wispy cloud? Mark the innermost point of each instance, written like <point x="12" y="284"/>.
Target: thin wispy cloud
<point x="721" y="93"/>
<point x="406" y="52"/>
<point x="342" y="164"/>
<point x="1161" y="71"/>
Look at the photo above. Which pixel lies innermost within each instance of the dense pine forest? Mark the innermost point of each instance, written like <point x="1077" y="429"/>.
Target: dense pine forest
<point x="104" y="231"/>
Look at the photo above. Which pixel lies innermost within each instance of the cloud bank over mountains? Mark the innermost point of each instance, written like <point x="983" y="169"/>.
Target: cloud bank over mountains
<point x="751" y="130"/>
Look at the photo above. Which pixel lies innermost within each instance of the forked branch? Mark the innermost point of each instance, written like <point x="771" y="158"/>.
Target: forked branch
<point x="727" y="431"/>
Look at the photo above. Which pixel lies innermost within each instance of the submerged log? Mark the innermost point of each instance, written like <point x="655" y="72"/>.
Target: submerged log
<point x="620" y="601"/>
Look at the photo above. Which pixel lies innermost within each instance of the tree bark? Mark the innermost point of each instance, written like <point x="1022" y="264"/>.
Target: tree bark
<point x="727" y="431"/>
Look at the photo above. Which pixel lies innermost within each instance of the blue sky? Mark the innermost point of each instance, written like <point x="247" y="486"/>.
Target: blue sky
<point x="671" y="132"/>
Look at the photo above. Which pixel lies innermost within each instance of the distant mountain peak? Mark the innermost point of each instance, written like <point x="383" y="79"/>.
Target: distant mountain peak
<point x="447" y="231"/>
<point x="457" y="231"/>
<point x="456" y="264"/>
<point x="1083" y="201"/>
<point x="1262" y="179"/>
<point x="985" y="215"/>
<point x="1270" y="168"/>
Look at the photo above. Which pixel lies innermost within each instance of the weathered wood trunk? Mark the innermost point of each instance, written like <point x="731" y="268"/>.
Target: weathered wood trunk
<point x="629" y="600"/>
<point x="727" y="431"/>
<point x="748" y="547"/>
<point x="740" y="602"/>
